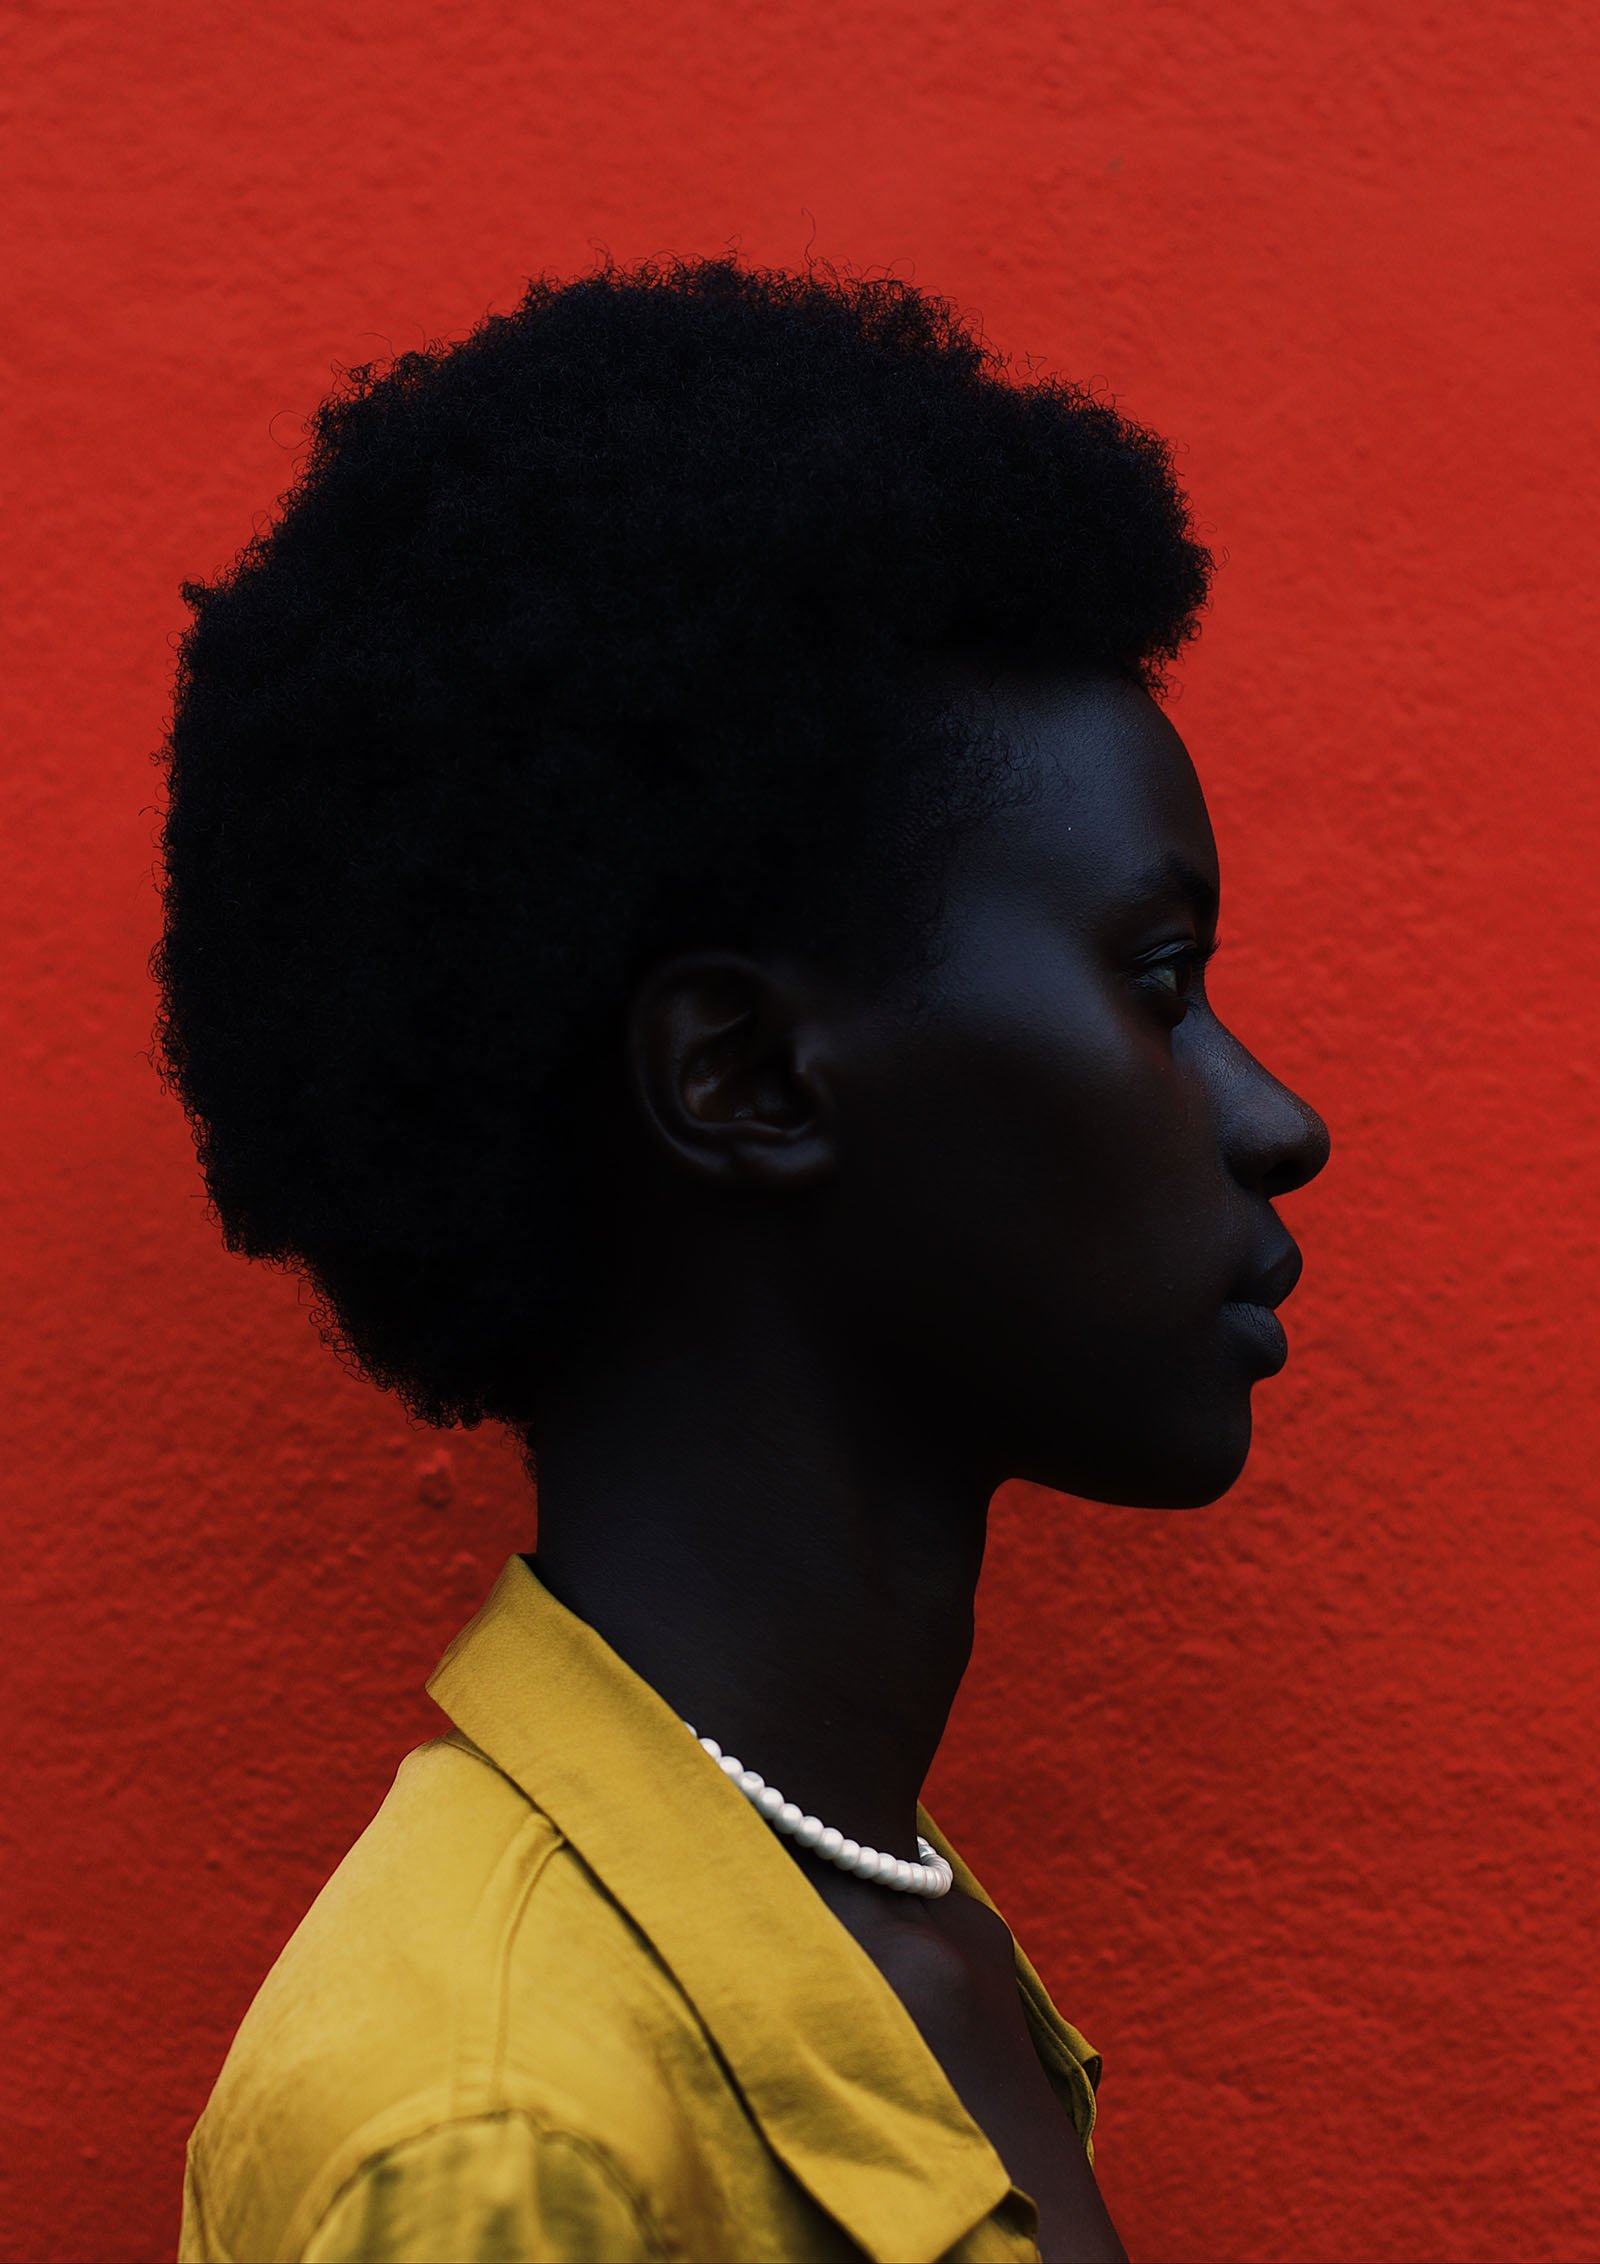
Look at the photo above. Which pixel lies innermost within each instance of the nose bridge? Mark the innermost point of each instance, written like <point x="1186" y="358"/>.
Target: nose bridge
<point x="1271" y="1137"/>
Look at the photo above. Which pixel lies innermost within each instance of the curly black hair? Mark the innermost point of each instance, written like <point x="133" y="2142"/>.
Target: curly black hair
<point x="616" y="628"/>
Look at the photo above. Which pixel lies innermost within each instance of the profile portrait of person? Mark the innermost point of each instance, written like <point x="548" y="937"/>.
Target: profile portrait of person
<point x="686" y="921"/>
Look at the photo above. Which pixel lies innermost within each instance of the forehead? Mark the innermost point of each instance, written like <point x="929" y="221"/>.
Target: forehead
<point x="1113" y="813"/>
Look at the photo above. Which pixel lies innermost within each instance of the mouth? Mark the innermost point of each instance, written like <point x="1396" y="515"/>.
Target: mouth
<point x="1260" y="1332"/>
<point x="1272" y="1281"/>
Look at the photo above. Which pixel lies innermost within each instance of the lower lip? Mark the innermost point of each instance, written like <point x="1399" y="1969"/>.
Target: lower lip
<point x="1260" y="1328"/>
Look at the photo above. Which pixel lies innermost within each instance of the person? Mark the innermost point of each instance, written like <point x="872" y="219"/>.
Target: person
<point x="685" y="921"/>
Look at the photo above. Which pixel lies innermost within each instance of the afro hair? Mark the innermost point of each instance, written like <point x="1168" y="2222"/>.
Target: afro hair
<point x="610" y="630"/>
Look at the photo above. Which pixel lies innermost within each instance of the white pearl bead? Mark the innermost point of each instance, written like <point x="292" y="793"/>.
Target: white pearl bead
<point x="789" y="1817"/>
<point x="846" y="1854"/>
<point x="902" y="1875"/>
<point x="730" y="1767"/>
<point x="750" y="1784"/>
<point x="886" y="1866"/>
<point x="710" y="1745"/>
<point x="865" y="1865"/>
<point x="769" y="1801"/>
<point x="921" y="1879"/>
<point x="808" y="1831"/>
<point x="829" y="1844"/>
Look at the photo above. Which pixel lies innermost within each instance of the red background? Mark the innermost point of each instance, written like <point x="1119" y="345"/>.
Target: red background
<point x="1293" y="1798"/>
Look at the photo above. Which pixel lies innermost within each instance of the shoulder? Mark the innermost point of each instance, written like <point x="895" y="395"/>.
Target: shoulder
<point x="463" y="2010"/>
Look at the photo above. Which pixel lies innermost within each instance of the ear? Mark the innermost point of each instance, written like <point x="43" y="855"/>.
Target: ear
<point x="726" y="1059"/>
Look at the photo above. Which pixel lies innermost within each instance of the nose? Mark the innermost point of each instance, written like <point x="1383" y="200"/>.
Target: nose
<point x="1275" y="1141"/>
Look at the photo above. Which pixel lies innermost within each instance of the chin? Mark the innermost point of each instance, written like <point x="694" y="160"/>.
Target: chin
<point x="1201" y="1474"/>
<point x="1173" y="1471"/>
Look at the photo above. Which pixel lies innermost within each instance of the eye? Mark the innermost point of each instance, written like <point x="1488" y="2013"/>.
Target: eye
<point x="1174" y="973"/>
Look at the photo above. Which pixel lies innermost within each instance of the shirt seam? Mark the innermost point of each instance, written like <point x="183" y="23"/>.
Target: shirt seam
<point x="212" y="2246"/>
<point x="478" y="2044"/>
<point x="478" y="2051"/>
<point x="515" y="1918"/>
<point x="608" y="2169"/>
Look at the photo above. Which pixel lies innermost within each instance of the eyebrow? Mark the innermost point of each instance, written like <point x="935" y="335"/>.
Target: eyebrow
<point x="1173" y="875"/>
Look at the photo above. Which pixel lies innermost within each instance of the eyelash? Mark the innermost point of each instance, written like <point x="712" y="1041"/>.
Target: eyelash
<point x="1195" y="957"/>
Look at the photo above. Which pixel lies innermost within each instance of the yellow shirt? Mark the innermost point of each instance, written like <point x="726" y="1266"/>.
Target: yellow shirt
<point x="569" y="1998"/>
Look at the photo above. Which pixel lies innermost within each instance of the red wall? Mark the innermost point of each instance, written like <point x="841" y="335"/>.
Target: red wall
<point x="1293" y="1797"/>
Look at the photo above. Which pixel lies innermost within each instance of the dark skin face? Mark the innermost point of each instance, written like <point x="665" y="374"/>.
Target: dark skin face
<point x="880" y="1247"/>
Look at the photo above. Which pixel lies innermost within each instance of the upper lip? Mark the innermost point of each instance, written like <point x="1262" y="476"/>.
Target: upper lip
<point x="1271" y="1283"/>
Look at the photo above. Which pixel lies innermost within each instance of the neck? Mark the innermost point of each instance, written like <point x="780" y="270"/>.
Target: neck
<point x="789" y="1570"/>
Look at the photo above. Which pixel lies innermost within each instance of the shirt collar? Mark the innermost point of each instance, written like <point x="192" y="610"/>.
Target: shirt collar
<point x="835" y="2071"/>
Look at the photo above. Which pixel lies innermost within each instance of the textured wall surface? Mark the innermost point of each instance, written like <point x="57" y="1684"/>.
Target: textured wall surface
<point x="1294" y="1797"/>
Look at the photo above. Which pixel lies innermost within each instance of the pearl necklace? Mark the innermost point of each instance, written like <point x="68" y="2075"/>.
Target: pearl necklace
<point x="932" y="1877"/>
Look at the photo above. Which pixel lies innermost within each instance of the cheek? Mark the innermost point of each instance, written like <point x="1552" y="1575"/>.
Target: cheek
<point x="1004" y="1157"/>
